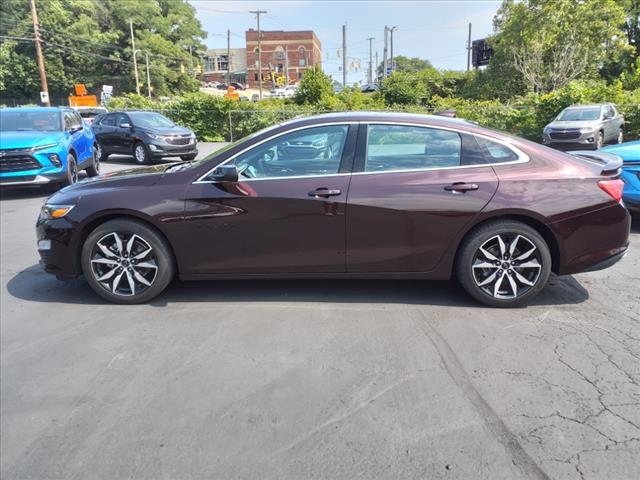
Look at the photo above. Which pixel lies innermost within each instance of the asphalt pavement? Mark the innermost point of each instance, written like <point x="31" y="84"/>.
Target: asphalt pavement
<point x="314" y="379"/>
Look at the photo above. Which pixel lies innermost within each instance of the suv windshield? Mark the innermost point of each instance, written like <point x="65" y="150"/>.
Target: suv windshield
<point x="578" y="114"/>
<point x="150" y="120"/>
<point x="14" y="120"/>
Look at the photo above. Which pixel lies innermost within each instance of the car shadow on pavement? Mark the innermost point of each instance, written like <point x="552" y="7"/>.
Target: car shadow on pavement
<point x="128" y="161"/>
<point x="34" y="285"/>
<point x="17" y="193"/>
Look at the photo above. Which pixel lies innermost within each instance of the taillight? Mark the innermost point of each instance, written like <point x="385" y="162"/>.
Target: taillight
<point x="613" y="187"/>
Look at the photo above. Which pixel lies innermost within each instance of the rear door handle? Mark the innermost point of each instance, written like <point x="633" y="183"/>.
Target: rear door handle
<point x="461" y="187"/>
<point x="324" y="193"/>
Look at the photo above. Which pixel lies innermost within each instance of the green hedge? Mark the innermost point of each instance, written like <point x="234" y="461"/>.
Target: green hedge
<point x="214" y="118"/>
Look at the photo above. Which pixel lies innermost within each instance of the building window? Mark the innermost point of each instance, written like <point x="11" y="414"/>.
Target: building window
<point x="302" y="62"/>
<point x="255" y="50"/>
<point x="301" y="50"/>
<point x="255" y="77"/>
<point x="300" y="75"/>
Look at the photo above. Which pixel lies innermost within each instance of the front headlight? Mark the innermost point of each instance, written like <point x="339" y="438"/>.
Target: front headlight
<point x="154" y="136"/>
<point x="51" y="212"/>
<point x="587" y="129"/>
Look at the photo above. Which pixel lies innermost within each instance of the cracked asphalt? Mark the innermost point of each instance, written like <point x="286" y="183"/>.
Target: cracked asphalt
<point x="314" y="379"/>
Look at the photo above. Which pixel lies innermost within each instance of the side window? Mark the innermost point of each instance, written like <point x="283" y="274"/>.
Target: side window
<point x="109" y="120"/>
<point x="121" y="118"/>
<point x="312" y="151"/>
<point x="77" y="119"/>
<point x="69" y="120"/>
<point x="496" y="152"/>
<point x="399" y="147"/>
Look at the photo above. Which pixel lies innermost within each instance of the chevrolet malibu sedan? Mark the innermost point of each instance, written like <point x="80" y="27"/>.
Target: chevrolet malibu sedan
<point x="381" y="195"/>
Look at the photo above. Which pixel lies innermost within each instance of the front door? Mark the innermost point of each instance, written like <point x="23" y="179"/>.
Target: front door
<point x="123" y="135"/>
<point x="285" y="215"/>
<point x="409" y="196"/>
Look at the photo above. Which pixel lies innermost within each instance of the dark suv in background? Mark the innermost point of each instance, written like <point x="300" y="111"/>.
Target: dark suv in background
<point x="148" y="136"/>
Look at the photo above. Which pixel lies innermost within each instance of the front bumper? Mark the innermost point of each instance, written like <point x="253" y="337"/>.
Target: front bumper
<point x="583" y="140"/>
<point x="57" y="247"/>
<point x="163" y="149"/>
<point x="27" y="166"/>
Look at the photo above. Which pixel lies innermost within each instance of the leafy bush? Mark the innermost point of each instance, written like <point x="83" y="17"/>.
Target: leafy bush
<point x="314" y="87"/>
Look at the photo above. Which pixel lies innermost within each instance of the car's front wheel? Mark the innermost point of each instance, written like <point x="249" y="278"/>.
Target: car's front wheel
<point x="620" y="137"/>
<point x="126" y="261"/>
<point x="141" y="154"/>
<point x="71" y="176"/>
<point x="599" y="141"/>
<point x="504" y="263"/>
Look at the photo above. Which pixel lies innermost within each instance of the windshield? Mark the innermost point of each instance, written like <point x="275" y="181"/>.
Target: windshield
<point x="579" y="114"/>
<point x="15" y="120"/>
<point x="150" y="120"/>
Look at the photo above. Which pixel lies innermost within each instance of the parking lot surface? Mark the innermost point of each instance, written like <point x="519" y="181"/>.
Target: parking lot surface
<point x="314" y="379"/>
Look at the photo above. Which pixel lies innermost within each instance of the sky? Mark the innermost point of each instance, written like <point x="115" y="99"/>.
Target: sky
<point x="432" y="29"/>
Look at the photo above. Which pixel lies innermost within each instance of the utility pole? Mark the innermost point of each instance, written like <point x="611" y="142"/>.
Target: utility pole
<point x="384" y="52"/>
<point x="344" y="56"/>
<point x="370" y="76"/>
<point x="228" y="56"/>
<point x="39" y="58"/>
<point x="257" y="14"/>
<point x="146" y="57"/>
<point x="391" y="30"/>
<point x="286" y="65"/>
<point x="469" y="50"/>
<point x="377" y="76"/>
<point x="135" y="62"/>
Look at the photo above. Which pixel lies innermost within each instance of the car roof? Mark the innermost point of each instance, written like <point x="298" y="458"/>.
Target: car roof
<point x="588" y="105"/>
<point x="36" y="109"/>
<point x="364" y="116"/>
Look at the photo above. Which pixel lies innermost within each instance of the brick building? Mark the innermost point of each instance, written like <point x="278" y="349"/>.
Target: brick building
<point x="218" y="67"/>
<point x="282" y="52"/>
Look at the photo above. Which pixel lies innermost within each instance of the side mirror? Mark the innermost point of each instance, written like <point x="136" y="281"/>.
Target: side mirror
<point x="225" y="173"/>
<point x="76" y="128"/>
<point x="125" y="125"/>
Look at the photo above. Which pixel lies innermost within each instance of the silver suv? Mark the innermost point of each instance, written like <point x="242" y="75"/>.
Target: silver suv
<point x="585" y="126"/>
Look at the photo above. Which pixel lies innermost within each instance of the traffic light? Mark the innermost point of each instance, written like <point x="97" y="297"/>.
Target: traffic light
<point x="481" y="52"/>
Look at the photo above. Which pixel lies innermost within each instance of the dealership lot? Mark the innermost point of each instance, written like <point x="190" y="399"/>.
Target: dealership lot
<point x="301" y="379"/>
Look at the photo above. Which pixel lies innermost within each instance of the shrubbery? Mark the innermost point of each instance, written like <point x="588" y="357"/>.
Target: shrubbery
<point x="216" y="119"/>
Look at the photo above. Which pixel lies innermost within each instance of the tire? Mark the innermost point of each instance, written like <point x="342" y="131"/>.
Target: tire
<point x="188" y="158"/>
<point x="94" y="169"/>
<point x="620" y="137"/>
<point x="102" y="155"/>
<point x="141" y="154"/>
<point x="599" y="141"/>
<point x="494" y="284"/>
<point x="112" y="272"/>
<point x="72" y="171"/>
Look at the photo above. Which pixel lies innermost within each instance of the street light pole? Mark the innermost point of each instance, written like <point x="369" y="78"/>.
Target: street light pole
<point x="369" y="77"/>
<point x="148" y="75"/>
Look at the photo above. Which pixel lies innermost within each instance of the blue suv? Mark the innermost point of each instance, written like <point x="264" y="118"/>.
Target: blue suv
<point x="45" y="146"/>
<point x="630" y="154"/>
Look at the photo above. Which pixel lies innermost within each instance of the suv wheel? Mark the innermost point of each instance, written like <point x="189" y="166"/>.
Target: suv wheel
<point x="141" y="154"/>
<point x="94" y="169"/>
<point x="620" y="138"/>
<point x="599" y="141"/>
<point x="72" y="170"/>
<point x="125" y="261"/>
<point x="102" y="155"/>
<point x="504" y="263"/>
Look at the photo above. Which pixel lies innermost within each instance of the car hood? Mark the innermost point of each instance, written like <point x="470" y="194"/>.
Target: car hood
<point x="628" y="151"/>
<point x="28" y="139"/>
<point x="177" y="130"/>
<point x="134" y="177"/>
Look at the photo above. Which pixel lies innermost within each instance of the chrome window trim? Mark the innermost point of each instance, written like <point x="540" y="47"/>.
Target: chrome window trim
<point x="522" y="157"/>
<point x="305" y="127"/>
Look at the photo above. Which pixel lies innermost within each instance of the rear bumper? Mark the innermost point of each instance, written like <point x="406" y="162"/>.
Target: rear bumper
<point x="608" y="262"/>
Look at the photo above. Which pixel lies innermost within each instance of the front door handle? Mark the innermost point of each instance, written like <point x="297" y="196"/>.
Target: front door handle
<point x="324" y="193"/>
<point x="461" y="187"/>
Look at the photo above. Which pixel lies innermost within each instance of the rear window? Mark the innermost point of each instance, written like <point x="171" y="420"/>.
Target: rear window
<point x="496" y="152"/>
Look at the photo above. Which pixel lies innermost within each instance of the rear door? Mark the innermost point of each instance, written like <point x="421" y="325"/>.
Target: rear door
<point x="413" y="189"/>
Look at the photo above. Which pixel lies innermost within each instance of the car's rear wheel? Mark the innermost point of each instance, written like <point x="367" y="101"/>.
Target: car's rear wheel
<point x="141" y="154"/>
<point x="126" y="261"/>
<point x="102" y="155"/>
<point x="94" y="169"/>
<point x="504" y="263"/>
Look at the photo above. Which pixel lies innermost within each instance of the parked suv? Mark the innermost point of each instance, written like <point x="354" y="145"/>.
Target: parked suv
<point x="585" y="126"/>
<point x="148" y="136"/>
<point x="45" y="146"/>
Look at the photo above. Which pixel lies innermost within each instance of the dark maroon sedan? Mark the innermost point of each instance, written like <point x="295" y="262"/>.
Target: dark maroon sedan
<point x="354" y="195"/>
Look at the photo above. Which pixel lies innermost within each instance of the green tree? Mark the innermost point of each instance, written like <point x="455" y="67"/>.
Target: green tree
<point x="551" y="42"/>
<point x="315" y="87"/>
<point x="407" y="64"/>
<point x="88" y="41"/>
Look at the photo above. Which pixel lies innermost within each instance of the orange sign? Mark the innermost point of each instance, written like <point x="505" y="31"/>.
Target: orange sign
<point x="80" y="89"/>
<point x="83" y="101"/>
<point x="232" y="94"/>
